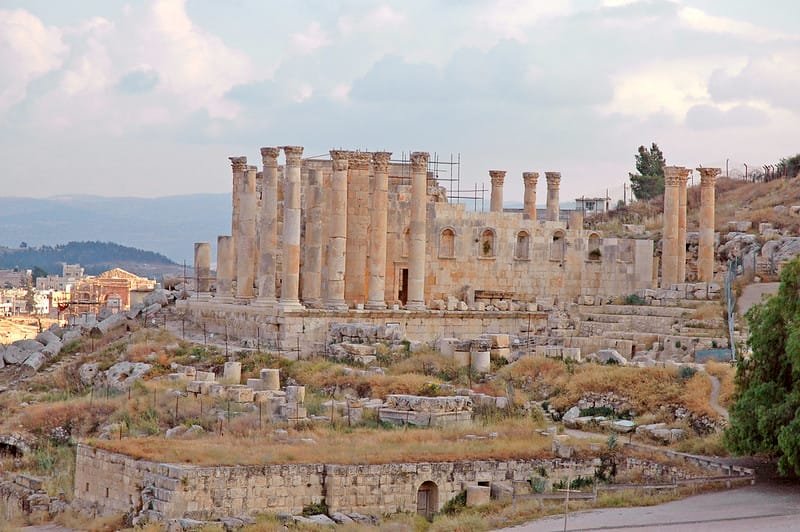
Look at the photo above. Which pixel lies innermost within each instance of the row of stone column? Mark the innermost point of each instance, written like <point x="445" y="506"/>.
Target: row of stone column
<point x="530" y="180"/>
<point x="673" y="251"/>
<point x="347" y="248"/>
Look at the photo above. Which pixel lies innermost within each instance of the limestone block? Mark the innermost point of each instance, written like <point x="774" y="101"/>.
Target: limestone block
<point x="446" y="346"/>
<point x="501" y="352"/>
<point x="271" y="378"/>
<point x="478" y="495"/>
<point x="239" y="393"/>
<point x="256" y="385"/>
<point x="462" y="306"/>
<point x="296" y="394"/>
<point x="201" y="387"/>
<point x="205" y="376"/>
<point x="232" y="372"/>
<point x="500" y="340"/>
<point x="462" y="358"/>
<point x="217" y="390"/>
<point x="261" y="396"/>
<point x="480" y="361"/>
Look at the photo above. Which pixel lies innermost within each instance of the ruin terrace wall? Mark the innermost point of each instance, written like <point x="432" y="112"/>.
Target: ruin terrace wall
<point x="114" y="483"/>
<point x="312" y="326"/>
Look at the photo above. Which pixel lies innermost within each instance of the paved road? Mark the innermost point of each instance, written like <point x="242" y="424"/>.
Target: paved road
<point x="754" y="293"/>
<point x="771" y="507"/>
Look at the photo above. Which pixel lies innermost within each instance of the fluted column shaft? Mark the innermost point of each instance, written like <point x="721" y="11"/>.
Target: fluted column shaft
<point x="417" y="228"/>
<point x="355" y="281"/>
<point x="290" y="287"/>
<point x="669" y="239"/>
<point x="238" y="169"/>
<point x="530" y="179"/>
<point x="337" y="232"/>
<point x="684" y="177"/>
<point x="245" y="241"/>
<point x="497" y="178"/>
<point x="225" y="266"/>
<point x="705" y="252"/>
<point x="268" y="244"/>
<point x="553" y="185"/>
<point x="378" y="226"/>
<point x="202" y="266"/>
<point x="312" y="249"/>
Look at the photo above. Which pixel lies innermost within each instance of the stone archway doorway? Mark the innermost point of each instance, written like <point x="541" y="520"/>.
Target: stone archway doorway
<point x="427" y="499"/>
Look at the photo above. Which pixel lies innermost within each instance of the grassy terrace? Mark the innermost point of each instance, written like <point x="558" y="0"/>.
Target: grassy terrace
<point x="517" y="439"/>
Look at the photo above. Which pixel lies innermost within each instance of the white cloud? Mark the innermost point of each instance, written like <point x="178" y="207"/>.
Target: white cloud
<point x="512" y="19"/>
<point x="311" y="39"/>
<point x="699" y="20"/>
<point x="28" y="50"/>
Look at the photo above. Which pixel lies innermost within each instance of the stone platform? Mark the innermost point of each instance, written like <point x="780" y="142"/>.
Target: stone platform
<point x="307" y="331"/>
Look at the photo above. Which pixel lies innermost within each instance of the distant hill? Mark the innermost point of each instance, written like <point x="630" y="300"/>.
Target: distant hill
<point x="167" y="225"/>
<point x="95" y="257"/>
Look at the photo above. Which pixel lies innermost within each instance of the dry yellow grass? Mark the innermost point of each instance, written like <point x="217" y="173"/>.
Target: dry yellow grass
<point x="726" y="375"/>
<point x="517" y="439"/>
<point x="696" y="395"/>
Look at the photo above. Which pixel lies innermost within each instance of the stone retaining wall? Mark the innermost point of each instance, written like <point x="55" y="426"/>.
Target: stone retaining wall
<point x="112" y="482"/>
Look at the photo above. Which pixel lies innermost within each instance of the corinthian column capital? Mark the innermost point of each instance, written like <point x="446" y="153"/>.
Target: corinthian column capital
<point x="497" y="177"/>
<point x="419" y="160"/>
<point x="359" y="160"/>
<point x="269" y="157"/>
<point x="381" y="160"/>
<point x="530" y="178"/>
<point x="672" y="176"/>
<point x="294" y="155"/>
<point x="553" y="179"/>
<point x="340" y="160"/>
<point x="238" y="164"/>
<point x="708" y="176"/>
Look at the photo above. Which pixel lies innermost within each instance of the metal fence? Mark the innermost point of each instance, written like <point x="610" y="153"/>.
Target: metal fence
<point x="730" y="300"/>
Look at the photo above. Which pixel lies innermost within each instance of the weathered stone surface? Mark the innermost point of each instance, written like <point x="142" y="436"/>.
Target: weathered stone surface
<point x="122" y="375"/>
<point x="88" y="372"/>
<point x="611" y="356"/>
<point x="14" y="355"/>
<point x="478" y="495"/>
<point x="33" y="363"/>
<point x="158" y="296"/>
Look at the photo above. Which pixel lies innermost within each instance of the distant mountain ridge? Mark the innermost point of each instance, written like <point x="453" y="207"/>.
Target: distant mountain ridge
<point x="95" y="257"/>
<point x="167" y="225"/>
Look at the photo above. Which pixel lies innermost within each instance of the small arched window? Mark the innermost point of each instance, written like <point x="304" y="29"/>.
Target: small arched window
<point x="487" y="245"/>
<point x="447" y="244"/>
<point x="557" y="246"/>
<point x="594" y="252"/>
<point x="522" y="249"/>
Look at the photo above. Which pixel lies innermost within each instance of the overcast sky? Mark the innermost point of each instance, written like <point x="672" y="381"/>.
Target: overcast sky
<point x="150" y="97"/>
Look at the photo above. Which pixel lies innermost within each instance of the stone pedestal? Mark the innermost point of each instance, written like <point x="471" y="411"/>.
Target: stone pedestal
<point x="245" y="241"/>
<point x="268" y="242"/>
<point x="232" y="372"/>
<point x="530" y="179"/>
<point x="684" y="178"/>
<point x="705" y="252"/>
<point x="290" y="287"/>
<point x="358" y="217"/>
<point x="202" y="266"/>
<point x="312" y="250"/>
<point x="225" y="254"/>
<point x="271" y="378"/>
<point x="416" y="252"/>
<point x="669" y="238"/>
<point x="337" y="232"/>
<point x="377" y="235"/>
<point x="553" y="186"/>
<point x="497" y="177"/>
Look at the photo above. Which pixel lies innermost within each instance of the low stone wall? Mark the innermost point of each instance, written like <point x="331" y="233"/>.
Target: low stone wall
<point x="114" y="483"/>
<point x="310" y="330"/>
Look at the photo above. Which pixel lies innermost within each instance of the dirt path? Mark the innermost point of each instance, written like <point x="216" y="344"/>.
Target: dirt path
<point x="714" y="397"/>
<point x="753" y="294"/>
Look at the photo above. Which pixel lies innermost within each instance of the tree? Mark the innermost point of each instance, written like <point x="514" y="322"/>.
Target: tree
<point x="649" y="182"/>
<point x="766" y="416"/>
<point x="38" y="272"/>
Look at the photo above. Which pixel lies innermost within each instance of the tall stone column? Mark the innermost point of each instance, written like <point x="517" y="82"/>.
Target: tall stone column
<point x="530" y="179"/>
<point x="312" y="249"/>
<point x="497" y="177"/>
<point x="553" y="185"/>
<point x="268" y="244"/>
<point x="238" y="169"/>
<point x="225" y="266"/>
<point x="669" y="238"/>
<point x="337" y="232"/>
<point x="355" y="280"/>
<point x="684" y="177"/>
<point x="202" y="266"/>
<point x="378" y="226"/>
<point x="417" y="228"/>
<point x="705" y="252"/>
<point x="290" y="287"/>
<point x="245" y="241"/>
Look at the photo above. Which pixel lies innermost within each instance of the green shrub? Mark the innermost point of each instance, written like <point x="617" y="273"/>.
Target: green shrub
<point x="315" y="509"/>
<point x="456" y="504"/>
<point x="633" y="299"/>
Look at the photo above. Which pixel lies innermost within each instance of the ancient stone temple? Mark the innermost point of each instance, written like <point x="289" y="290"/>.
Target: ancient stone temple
<point x="358" y="234"/>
